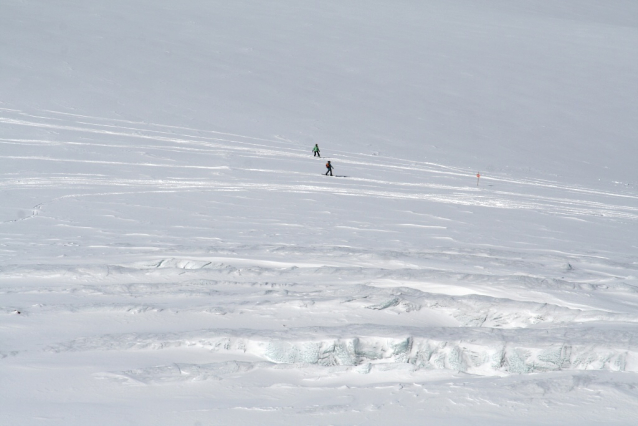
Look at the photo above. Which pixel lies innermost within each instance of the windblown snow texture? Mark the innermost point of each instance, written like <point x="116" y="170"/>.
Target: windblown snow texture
<point x="170" y="253"/>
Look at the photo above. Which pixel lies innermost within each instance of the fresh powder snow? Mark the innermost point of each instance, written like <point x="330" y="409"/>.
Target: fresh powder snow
<point x="172" y="254"/>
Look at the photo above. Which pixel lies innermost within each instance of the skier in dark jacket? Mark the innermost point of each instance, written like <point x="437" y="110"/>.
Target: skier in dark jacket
<point x="316" y="151"/>
<point x="329" y="167"/>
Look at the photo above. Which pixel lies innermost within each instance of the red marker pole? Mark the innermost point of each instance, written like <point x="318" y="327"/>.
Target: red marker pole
<point x="478" y="177"/>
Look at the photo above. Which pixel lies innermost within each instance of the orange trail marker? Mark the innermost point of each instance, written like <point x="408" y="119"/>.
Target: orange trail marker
<point x="478" y="177"/>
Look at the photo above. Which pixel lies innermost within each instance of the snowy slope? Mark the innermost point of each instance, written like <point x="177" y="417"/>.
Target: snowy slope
<point x="170" y="252"/>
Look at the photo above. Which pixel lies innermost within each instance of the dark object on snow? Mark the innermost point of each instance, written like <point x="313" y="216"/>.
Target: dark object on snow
<point x="329" y="167"/>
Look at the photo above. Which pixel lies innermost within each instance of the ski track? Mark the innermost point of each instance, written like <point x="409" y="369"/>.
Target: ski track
<point x="375" y="188"/>
<point x="350" y="311"/>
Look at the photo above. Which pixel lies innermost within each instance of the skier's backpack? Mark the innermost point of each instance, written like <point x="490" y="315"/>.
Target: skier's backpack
<point x="328" y="165"/>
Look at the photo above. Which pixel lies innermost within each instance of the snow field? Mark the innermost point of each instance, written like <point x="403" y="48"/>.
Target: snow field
<point x="170" y="252"/>
<point x="153" y="289"/>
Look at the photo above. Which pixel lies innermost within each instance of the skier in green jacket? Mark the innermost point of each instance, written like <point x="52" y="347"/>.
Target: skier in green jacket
<point x="316" y="151"/>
